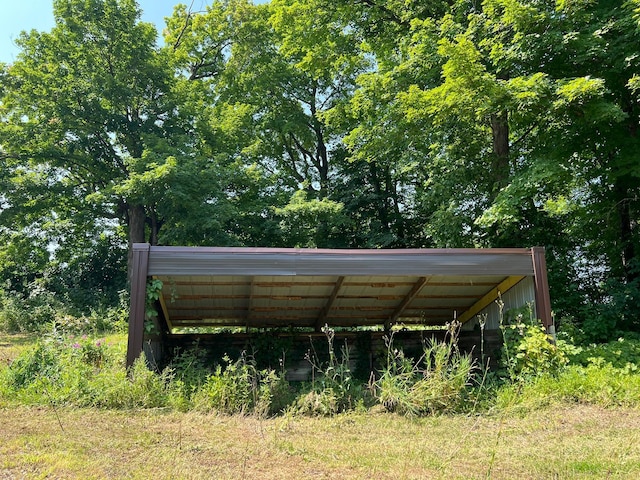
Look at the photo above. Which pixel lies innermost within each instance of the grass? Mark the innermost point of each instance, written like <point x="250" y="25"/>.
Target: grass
<point x="555" y="436"/>
<point x="11" y="344"/>
<point x="567" y="442"/>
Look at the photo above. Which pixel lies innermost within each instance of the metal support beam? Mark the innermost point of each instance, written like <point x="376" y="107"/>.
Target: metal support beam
<point x="138" y="297"/>
<point x="406" y="301"/>
<point x="543" y="301"/>
<point x="489" y="298"/>
<point x="322" y="318"/>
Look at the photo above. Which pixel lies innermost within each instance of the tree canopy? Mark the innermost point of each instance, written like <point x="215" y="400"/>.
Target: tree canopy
<point x="330" y="123"/>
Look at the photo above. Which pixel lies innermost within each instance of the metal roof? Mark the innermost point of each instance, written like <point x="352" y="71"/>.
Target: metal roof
<point x="263" y="287"/>
<point x="268" y="287"/>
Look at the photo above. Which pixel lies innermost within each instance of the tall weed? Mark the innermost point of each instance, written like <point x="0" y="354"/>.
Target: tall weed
<point x="240" y="388"/>
<point x="333" y="388"/>
<point x="434" y="383"/>
<point x="527" y="350"/>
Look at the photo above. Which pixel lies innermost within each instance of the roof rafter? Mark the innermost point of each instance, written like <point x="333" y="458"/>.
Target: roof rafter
<point x="406" y="301"/>
<point x="250" y="301"/>
<point x="489" y="298"/>
<point x="327" y="306"/>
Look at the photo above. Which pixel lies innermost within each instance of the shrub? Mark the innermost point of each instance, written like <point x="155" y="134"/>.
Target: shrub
<point x="622" y="353"/>
<point x="41" y="311"/>
<point x="32" y="313"/>
<point x="527" y="350"/>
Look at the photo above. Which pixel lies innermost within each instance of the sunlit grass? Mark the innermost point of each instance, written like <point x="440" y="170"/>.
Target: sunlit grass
<point x="566" y="442"/>
<point x="12" y="344"/>
<point x="533" y="431"/>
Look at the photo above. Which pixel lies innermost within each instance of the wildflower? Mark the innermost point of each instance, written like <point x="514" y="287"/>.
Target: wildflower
<point x="76" y="345"/>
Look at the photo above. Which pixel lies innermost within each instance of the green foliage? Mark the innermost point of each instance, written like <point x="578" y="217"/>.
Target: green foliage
<point x="89" y="276"/>
<point x="41" y="360"/>
<point x="527" y="350"/>
<point x="616" y="313"/>
<point x="33" y="313"/>
<point x="239" y="388"/>
<point x="623" y="353"/>
<point x="326" y="123"/>
<point x="89" y="372"/>
<point x="301" y="217"/>
<point x="152" y="295"/>
<point x="81" y="371"/>
<point x="43" y="312"/>
<point x="602" y="385"/>
<point x="333" y="389"/>
<point x="434" y="383"/>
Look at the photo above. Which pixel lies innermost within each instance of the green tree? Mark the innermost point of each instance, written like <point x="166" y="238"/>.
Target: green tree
<point x="522" y="119"/>
<point x="88" y="112"/>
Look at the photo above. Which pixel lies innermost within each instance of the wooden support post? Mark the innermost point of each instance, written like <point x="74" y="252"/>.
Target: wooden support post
<point x="138" y="297"/>
<point x="543" y="301"/>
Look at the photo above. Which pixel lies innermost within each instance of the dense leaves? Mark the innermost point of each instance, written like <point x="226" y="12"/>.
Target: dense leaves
<point x="376" y="123"/>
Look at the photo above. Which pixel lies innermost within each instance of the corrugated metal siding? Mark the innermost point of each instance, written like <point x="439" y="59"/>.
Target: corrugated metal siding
<point x="521" y="294"/>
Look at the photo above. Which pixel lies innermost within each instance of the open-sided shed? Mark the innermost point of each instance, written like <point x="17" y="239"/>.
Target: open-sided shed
<point x="258" y="288"/>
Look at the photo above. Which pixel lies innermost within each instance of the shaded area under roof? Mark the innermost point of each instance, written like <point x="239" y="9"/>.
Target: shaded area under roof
<point x="263" y="287"/>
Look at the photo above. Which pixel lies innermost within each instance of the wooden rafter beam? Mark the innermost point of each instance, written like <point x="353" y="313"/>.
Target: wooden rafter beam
<point x="250" y="309"/>
<point x="407" y="300"/>
<point x="489" y="298"/>
<point x="322" y="318"/>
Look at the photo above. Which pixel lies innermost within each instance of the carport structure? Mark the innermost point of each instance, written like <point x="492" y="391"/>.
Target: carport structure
<point x="270" y="288"/>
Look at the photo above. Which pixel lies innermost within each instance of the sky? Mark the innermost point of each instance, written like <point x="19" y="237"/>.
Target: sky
<point x="19" y="15"/>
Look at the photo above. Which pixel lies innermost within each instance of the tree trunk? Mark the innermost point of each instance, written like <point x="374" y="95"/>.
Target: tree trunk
<point x="625" y="229"/>
<point x="154" y="226"/>
<point x="381" y="202"/>
<point x="500" y="169"/>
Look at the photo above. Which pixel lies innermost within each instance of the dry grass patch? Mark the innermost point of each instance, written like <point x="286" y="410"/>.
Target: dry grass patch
<point x="12" y="344"/>
<point x="568" y="442"/>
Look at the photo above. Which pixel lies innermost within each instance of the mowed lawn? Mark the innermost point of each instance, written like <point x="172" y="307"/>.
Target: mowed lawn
<point x="567" y="442"/>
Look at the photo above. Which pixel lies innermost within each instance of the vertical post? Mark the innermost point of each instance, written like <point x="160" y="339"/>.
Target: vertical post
<point x="140" y="266"/>
<point x="543" y="301"/>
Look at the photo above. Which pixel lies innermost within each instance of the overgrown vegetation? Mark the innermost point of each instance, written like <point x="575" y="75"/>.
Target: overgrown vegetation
<point x="323" y="123"/>
<point x="333" y="388"/>
<point x="434" y="383"/>
<point x="41" y="311"/>
<point x="71" y="369"/>
<point x="527" y="350"/>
